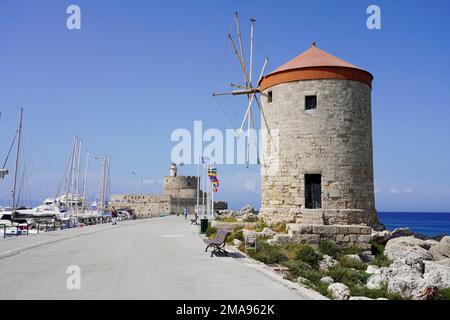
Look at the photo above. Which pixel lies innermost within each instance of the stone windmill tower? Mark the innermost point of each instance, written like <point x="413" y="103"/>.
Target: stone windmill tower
<point x="320" y="108"/>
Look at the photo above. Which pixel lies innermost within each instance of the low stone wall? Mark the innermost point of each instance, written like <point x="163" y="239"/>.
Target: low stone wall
<point x="344" y="235"/>
<point x="232" y="225"/>
<point x="326" y="216"/>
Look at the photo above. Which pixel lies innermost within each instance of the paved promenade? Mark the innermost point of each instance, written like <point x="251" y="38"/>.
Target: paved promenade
<point x="159" y="258"/>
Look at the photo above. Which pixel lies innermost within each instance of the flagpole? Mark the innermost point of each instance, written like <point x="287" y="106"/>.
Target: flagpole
<point x="204" y="190"/>
<point x="198" y="186"/>
<point x="212" y="203"/>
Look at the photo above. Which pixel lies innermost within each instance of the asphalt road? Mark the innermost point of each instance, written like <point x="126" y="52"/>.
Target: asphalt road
<point x="159" y="258"/>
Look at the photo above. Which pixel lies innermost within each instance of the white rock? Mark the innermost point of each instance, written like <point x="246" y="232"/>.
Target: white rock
<point x="339" y="291"/>
<point x="359" y="298"/>
<point x="248" y="209"/>
<point x="250" y="234"/>
<point x="403" y="247"/>
<point x="441" y="250"/>
<point x="382" y="299"/>
<point x="437" y="273"/>
<point x="375" y="281"/>
<point x="373" y="269"/>
<point x="327" y="280"/>
<point x="237" y="242"/>
<point x="327" y="262"/>
<point x="406" y="277"/>
<point x="249" y="217"/>
<point x="268" y="233"/>
<point x="381" y="237"/>
<point x="302" y="280"/>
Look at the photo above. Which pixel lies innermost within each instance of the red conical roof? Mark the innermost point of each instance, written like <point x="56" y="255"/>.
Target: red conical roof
<point x="312" y="64"/>
<point x="314" y="57"/>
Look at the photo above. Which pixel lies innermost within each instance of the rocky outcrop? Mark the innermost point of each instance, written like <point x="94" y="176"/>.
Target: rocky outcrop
<point x="437" y="273"/>
<point x="327" y="280"/>
<point x="247" y="214"/>
<point x="413" y="273"/>
<point x="373" y="269"/>
<point x="407" y="247"/>
<point x="268" y="233"/>
<point x="339" y="291"/>
<point x="441" y="250"/>
<point x="375" y="281"/>
<point x="381" y="237"/>
<point x="327" y="263"/>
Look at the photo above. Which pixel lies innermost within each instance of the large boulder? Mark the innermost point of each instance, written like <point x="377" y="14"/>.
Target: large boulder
<point x="375" y="281"/>
<point x="404" y="277"/>
<point x="416" y="279"/>
<point x="327" y="280"/>
<point x="403" y="247"/>
<point x="441" y="250"/>
<point x="339" y="291"/>
<point x="381" y="237"/>
<point x="437" y="273"/>
<point x="327" y="263"/>
<point x="268" y="233"/>
<point x="373" y="269"/>
<point x="248" y="209"/>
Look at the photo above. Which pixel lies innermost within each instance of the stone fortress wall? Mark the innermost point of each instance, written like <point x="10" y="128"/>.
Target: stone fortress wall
<point x="178" y="192"/>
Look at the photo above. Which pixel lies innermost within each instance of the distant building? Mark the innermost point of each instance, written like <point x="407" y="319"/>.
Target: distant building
<point x="178" y="192"/>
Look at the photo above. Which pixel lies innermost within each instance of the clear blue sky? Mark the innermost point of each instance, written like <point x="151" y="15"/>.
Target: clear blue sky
<point x="140" y="69"/>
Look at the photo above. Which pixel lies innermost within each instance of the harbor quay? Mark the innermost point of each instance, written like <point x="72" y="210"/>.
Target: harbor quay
<point x="160" y="258"/>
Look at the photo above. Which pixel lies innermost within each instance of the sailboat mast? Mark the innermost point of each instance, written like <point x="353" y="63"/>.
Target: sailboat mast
<point x="16" y="168"/>
<point x="78" y="176"/>
<point x="85" y="176"/>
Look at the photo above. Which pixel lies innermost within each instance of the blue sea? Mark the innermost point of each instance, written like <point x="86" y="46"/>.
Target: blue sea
<point x="427" y="223"/>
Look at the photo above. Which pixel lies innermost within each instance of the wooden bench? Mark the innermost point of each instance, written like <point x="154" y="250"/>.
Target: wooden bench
<point x="219" y="242"/>
<point x="195" y="220"/>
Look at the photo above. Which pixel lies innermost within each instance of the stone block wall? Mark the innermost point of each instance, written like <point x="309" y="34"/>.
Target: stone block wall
<point x="343" y="235"/>
<point x="334" y="140"/>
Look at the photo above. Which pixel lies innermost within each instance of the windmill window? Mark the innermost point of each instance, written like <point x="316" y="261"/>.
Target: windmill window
<point x="269" y="97"/>
<point x="310" y="102"/>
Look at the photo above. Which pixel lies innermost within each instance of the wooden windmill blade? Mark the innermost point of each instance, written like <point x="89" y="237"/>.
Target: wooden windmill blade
<point x="247" y="88"/>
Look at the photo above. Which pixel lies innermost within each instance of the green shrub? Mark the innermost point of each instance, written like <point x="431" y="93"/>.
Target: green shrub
<point x="377" y="248"/>
<point x="361" y="291"/>
<point x="351" y="250"/>
<point x="380" y="259"/>
<point x="307" y="254"/>
<point x="300" y="268"/>
<point x="260" y="226"/>
<point x="269" y="254"/>
<point x="236" y="234"/>
<point x="280" y="228"/>
<point x="330" y="248"/>
<point x="349" y="277"/>
<point x="211" y="231"/>
<point x="347" y="262"/>
<point x="227" y="219"/>
<point x="444" y="294"/>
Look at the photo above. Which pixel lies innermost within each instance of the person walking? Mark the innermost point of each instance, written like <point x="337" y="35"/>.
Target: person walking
<point x="114" y="215"/>
<point x="186" y="211"/>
